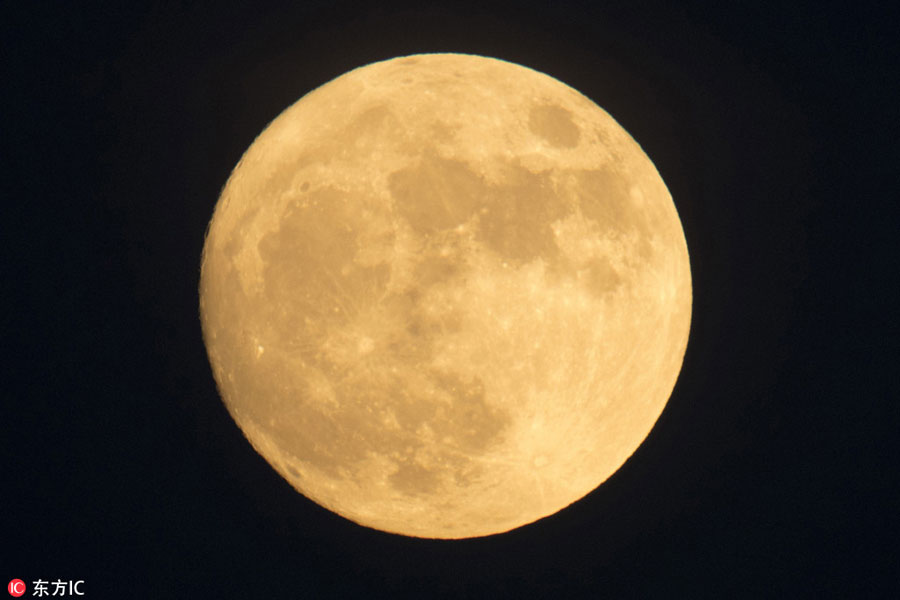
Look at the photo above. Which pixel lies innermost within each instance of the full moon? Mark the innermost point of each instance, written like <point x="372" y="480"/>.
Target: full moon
<point x="445" y="295"/>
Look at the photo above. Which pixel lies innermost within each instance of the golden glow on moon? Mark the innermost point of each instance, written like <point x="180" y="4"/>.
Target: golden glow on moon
<point x="445" y="295"/>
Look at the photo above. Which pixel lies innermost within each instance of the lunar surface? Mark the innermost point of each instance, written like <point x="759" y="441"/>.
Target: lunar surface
<point x="445" y="295"/>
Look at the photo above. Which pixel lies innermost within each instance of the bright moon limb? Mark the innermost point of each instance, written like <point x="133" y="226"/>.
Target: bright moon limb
<point x="445" y="295"/>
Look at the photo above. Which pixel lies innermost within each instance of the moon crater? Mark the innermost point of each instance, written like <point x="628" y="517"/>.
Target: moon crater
<point x="554" y="125"/>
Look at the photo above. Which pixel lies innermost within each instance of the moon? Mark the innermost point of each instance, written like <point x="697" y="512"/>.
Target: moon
<point x="445" y="295"/>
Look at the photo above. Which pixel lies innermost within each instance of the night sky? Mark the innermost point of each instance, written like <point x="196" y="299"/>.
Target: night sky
<point x="772" y="471"/>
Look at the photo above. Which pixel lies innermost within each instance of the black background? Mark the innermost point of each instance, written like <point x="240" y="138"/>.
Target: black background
<point x="771" y="472"/>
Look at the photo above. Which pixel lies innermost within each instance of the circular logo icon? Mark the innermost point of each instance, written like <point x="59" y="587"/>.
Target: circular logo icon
<point x="16" y="588"/>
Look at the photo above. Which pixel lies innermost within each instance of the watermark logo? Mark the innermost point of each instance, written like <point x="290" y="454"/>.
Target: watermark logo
<point x="58" y="588"/>
<point x="16" y="588"/>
